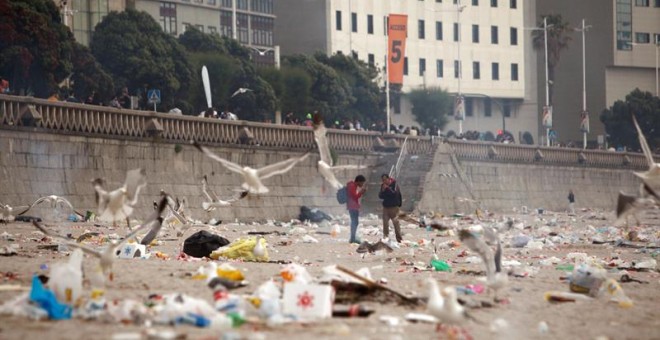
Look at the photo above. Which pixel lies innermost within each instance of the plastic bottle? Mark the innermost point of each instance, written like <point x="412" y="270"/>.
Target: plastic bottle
<point x="335" y="231"/>
<point x="193" y="319"/>
<point x="617" y="294"/>
<point x="351" y="311"/>
<point x="66" y="279"/>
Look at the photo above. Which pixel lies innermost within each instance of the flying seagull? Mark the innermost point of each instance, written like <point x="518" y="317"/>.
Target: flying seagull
<point x="628" y="205"/>
<point x="107" y="256"/>
<point x="118" y="204"/>
<point x="253" y="177"/>
<point x="652" y="175"/>
<point x="54" y="200"/>
<point x="495" y="278"/>
<point x="213" y="200"/>
<point x="328" y="172"/>
<point x="240" y="91"/>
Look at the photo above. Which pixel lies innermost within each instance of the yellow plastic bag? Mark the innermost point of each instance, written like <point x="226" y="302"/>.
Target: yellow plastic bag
<point x="243" y="249"/>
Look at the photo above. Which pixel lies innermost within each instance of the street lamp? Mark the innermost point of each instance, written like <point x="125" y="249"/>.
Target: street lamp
<point x="584" y="125"/>
<point x="547" y="80"/>
<point x="276" y="53"/>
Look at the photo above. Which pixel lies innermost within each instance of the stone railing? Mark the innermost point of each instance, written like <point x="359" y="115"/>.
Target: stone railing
<point x="79" y="119"/>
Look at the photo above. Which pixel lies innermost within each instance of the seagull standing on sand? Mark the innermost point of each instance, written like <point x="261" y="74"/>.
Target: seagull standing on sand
<point x="107" y="256"/>
<point x="240" y="91"/>
<point x="118" y="204"/>
<point x="253" y="177"/>
<point x="8" y="213"/>
<point x="214" y="201"/>
<point x="443" y="304"/>
<point x="495" y="278"/>
<point x="54" y="200"/>
<point x="258" y="251"/>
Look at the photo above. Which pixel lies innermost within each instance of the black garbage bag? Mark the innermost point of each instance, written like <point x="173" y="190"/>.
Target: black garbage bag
<point x="313" y="215"/>
<point x="203" y="243"/>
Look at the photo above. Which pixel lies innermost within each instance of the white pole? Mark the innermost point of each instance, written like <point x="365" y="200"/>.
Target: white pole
<point x="276" y="52"/>
<point x="584" y="85"/>
<point x="387" y="93"/>
<point x="547" y="81"/>
<point x="460" y="63"/>
<point x="233" y="19"/>
<point x="657" y="44"/>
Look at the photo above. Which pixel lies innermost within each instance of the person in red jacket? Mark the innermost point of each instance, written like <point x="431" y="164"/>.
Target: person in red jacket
<point x="354" y="190"/>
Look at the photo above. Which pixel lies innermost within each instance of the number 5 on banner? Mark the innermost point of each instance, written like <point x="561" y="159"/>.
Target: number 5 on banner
<point x="396" y="51"/>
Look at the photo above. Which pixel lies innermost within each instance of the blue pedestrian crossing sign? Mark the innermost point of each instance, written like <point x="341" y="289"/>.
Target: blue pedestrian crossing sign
<point x="153" y="96"/>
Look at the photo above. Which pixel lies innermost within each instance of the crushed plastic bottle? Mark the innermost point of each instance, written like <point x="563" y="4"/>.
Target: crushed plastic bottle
<point x="440" y="266"/>
<point x="616" y="293"/>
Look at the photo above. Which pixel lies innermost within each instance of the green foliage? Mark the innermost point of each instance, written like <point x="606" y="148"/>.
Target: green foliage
<point x="619" y="125"/>
<point x="297" y="91"/>
<point x="222" y="68"/>
<point x="35" y="47"/>
<point x="196" y="41"/>
<point x="132" y="46"/>
<point x="431" y="106"/>
<point x="88" y="75"/>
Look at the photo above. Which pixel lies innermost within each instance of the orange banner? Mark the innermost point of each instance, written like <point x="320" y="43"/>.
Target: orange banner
<point x="396" y="46"/>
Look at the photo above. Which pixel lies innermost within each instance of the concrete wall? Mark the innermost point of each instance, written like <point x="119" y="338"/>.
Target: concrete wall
<point x="502" y="186"/>
<point x="35" y="164"/>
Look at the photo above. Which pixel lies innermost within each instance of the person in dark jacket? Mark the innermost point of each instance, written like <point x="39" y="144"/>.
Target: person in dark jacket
<point x="354" y="190"/>
<point x="391" y="196"/>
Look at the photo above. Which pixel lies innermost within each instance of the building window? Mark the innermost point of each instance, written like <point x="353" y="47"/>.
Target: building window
<point x="657" y="3"/>
<point x="168" y="17"/>
<point x="439" y="68"/>
<point x="422" y="67"/>
<point x="242" y="4"/>
<point x="386" y="22"/>
<point x="212" y="2"/>
<point x="506" y="107"/>
<point x="354" y="54"/>
<point x="514" y="72"/>
<point x="623" y="25"/>
<point x="225" y="24"/>
<point x="262" y="30"/>
<point x="370" y="24"/>
<point x="421" y="34"/>
<point x="213" y="30"/>
<point x="456" y="32"/>
<point x="488" y="107"/>
<point x="513" y="4"/>
<point x="185" y="26"/>
<point x="262" y="6"/>
<point x="438" y="1"/>
<point x="475" y="2"/>
<point x="405" y="66"/>
<point x="514" y="36"/>
<point x="338" y="20"/>
<point x="371" y="59"/>
<point x="354" y="22"/>
<point x="494" y="39"/>
<point x="642" y="38"/>
<point x="242" y="27"/>
<point x="457" y="69"/>
<point x="469" y="106"/>
<point x="476" y="72"/>
<point x="493" y="3"/>
<point x="200" y="28"/>
<point x="656" y="37"/>
<point x="438" y="30"/>
<point x="642" y="3"/>
<point x="475" y="33"/>
<point x="495" y="67"/>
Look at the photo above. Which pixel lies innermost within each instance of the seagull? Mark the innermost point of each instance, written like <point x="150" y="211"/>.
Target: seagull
<point x="495" y="278"/>
<point x="239" y="91"/>
<point x="253" y="177"/>
<point x="652" y="176"/>
<point x="443" y="304"/>
<point x="214" y="201"/>
<point x="328" y="172"/>
<point x="118" y="204"/>
<point x="258" y="251"/>
<point x="107" y="256"/>
<point x="54" y="200"/>
<point x="628" y="205"/>
<point x="8" y="213"/>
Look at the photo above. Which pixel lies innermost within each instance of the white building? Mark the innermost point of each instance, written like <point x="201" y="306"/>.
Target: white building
<point x="486" y="35"/>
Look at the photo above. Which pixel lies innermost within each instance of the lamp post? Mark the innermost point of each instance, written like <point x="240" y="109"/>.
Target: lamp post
<point x="585" y="128"/>
<point x="547" y="80"/>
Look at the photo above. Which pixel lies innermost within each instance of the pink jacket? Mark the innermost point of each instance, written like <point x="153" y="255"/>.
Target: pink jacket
<point x="352" y="190"/>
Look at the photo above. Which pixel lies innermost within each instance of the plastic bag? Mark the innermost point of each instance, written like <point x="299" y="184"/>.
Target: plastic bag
<point x="203" y="243"/>
<point x="242" y="249"/>
<point x="46" y="299"/>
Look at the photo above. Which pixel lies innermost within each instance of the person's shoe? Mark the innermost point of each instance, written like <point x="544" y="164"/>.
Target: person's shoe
<point x="356" y="241"/>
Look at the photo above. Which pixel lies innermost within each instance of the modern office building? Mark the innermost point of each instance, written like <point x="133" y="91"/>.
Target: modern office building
<point x="486" y="37"/>
<point x="620" y="56"/>
<point x="254" y="24"/>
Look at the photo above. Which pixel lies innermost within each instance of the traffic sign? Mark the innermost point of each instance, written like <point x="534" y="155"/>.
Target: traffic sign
<point x="154" y="96"/>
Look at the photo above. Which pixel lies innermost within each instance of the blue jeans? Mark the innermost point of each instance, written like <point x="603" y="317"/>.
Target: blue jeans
<point x="355" y="214"/>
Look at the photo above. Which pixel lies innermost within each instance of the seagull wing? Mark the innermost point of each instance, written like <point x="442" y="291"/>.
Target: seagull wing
<point x="329" y="175"/>
<point x="348" y="167"/>
<point x="66" y="202"/>
<point x="66" y="241"/>
<point x="280" y="167"/>
<point x="498" y="257"/>
<point x="644" y="144"/>
<point x="242" y="194"/>
<point x="154" y="223"/>
<point x="235" y="93"/>
<point x="20" y="210"/>
<point x="624" y="203"/>
<point x="136" y="179"/>
<point x="480" y="247"/>
<point x="207" y="191"/>
<point x="231" y="166"/>
<point x="321" y="139"/>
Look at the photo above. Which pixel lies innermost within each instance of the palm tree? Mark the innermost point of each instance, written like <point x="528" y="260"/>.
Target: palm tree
<point x="558" y="39"/>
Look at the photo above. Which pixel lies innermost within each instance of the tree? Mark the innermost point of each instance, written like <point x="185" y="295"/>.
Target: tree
<point x="431" y="106"/>
<point x="35" y="47"/>
<point x="88" y="75"/>
<point x="558" y="39"/>
<point x="619" y="125"/>
<point x="132" y="46"/>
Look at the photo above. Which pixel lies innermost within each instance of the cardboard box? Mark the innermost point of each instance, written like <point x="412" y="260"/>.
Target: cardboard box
<point x="308" y="301"/>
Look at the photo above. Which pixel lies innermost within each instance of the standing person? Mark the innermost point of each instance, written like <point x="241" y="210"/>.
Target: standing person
<point x="391" y="196"/>
<point x="354" y="190"/>
<point x="571" y="202"/>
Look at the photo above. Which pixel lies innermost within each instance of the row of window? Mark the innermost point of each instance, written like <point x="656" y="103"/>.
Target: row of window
<point x="261" y="6"/>
<point x="421" y="29"/>
<point x="493" y="3"/>
<point x="645" y="38"/>
<point x="647" y="3"/>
